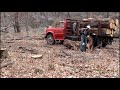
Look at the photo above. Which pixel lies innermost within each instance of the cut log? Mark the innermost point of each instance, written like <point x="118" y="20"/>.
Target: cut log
<point x="117" y="22"/>
<point x="71" y="44"/>
<point x="37" y="56"/>
<point x="103" y="31"/>
<point x="114" y="26"/>
<point x="111" y="26"/>
<point x="3" y="54"/>
<point x="95" y="24"/>
<point x="6" y="64"/>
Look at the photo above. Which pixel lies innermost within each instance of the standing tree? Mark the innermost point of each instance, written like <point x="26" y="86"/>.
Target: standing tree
<point x="16" y="26"/>
<point x="107" y="14"/>
<point x="87" y="15"/>
<point x="68" y="15"/>
<point x="4" y="15"/>
<point x="0" y="28"/>
<point x="5" y="24"/>
<point x="119" y="25"/>
<point x="26" y="23"/>
<point x="91" y="15"/>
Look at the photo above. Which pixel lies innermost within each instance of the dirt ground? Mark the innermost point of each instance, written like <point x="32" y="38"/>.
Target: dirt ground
<point x="56" y="61"/>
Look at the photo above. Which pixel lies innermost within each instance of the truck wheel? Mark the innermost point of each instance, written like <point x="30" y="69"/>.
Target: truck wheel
<point x="104" y="42"/>
<point x="61" y="42"/>
<point x="90" y="45"/>
<point x="50" y="39"/>
<point x="104" y="45"/>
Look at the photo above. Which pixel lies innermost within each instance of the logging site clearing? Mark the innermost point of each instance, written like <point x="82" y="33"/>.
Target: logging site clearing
<point x="55" y="61"/>
<point x="28" y="54"/>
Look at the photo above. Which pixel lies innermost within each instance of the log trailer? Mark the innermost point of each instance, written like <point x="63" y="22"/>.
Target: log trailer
<point x="101" y="32"/>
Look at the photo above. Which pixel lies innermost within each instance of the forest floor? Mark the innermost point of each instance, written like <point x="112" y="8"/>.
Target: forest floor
<point x="55" y="61"/>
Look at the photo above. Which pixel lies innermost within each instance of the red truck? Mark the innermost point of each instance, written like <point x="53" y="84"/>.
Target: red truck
<point x="64" y="30"/>
<point x="61" y="31"/>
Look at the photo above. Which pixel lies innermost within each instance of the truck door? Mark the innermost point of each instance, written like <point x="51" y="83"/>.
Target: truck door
<point x="59" y="32"/>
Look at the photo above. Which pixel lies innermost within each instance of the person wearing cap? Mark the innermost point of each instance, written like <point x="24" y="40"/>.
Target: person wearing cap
<point x="84" y="35"/>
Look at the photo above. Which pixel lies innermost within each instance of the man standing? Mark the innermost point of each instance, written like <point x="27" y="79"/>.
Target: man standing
<point x="83" y="42"/>
<point x="74" y="28"/>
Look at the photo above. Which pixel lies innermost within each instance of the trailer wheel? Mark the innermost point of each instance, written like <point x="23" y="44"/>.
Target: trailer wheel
<point x="50" y="39"/>
<point x="90" y="45"/>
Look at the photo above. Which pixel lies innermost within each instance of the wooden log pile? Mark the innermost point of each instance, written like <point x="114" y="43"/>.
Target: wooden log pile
<point x="108" y="23"/>
<point x="98" y="26"/>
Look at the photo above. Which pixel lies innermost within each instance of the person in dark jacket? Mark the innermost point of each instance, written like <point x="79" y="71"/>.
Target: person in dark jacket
<point x="83" y="42"/>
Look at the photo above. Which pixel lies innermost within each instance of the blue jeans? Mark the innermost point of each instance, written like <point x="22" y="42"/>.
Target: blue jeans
<point x="83" y="40"/>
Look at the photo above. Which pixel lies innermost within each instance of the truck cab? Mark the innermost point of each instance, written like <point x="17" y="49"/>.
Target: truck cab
<point x="60" y="31"/>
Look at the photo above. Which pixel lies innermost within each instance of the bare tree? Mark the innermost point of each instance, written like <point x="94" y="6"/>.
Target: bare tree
<point x="119" y="25"/>
<point x="16" y="26"/>
<point x="68" y="15"/>
<point x="5" y="24"/>
<point x="87" y="16"/>
<point x="0" y="28"/>
<point x="107" y="14"/>
<point x="4" y="15"/>
<point x="91" y="15"/>
<point x="26" y="23"/>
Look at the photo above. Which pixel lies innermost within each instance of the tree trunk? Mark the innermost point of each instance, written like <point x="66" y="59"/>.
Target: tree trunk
<point x="119" y="25"/>
<point x="107" y="14"/>
<point x="68" y="15"/>
<point x="26" y="23"/>
<point x="87" y="14"/>
<point x="16" y="27"/>
<point x="5" y="24"/>
<point x="0" y="28"/>
<point x="91" y="15"/>
<point x="4" y="15"/>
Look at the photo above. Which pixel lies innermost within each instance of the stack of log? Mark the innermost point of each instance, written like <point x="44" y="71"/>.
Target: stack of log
<point x="105" y="26"/>
<point x="105" y="23"/>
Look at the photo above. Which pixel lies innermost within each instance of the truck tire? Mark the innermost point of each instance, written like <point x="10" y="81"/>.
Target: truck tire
<point x="104" y="43"/>
<point x="61" y="42"/>
<point x="99" y="42"/>
<point x="50" y="39"/>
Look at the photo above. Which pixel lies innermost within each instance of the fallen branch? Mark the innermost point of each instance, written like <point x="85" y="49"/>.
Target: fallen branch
<point x="47" y="46"/>
<point x="7" y="26"/>
<point x="10" y="42"/>
<point x="6" y="64"/>
<point x="37" y="56"/>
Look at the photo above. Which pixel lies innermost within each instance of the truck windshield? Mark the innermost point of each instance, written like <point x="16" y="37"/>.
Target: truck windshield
<point x="60" y="25"/>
